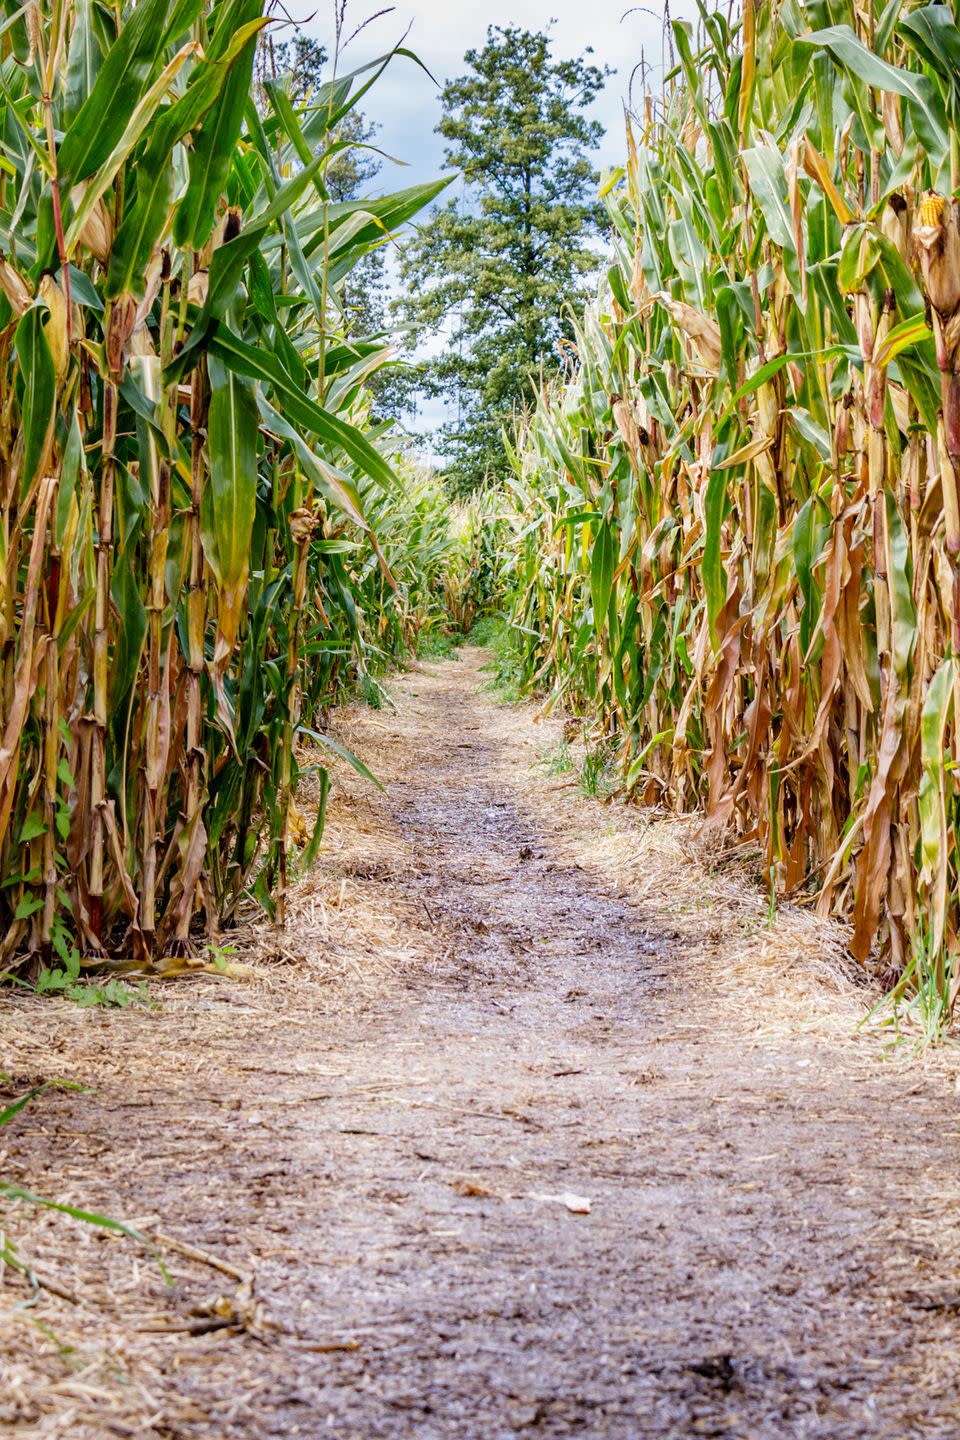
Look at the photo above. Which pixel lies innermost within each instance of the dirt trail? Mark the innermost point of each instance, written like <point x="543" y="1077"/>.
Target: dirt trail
<point x="500" y="999"/>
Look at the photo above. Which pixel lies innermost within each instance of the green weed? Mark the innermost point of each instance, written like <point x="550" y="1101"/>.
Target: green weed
<point x="220" y="955"/>
<point x="555" y="759"/>
<point x="372" y="693"/>
<point x="922" y="1000"/>
<point x="64" y="979"/>
<point x="437" y="645"/>
<point x="486" y="630"/>
<point x="598" y="777"/>
<point x="493" y="634"/>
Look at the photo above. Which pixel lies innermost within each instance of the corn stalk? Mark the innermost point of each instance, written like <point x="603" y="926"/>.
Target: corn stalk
<point x="737" y="527"/>
<point x="173" y="611"/>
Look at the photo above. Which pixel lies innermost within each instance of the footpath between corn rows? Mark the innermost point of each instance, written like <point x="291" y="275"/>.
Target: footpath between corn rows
<point x="496" y="1001"/>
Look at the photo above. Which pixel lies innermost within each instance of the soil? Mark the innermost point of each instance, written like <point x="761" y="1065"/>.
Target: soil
<point x="496" y="1001"/>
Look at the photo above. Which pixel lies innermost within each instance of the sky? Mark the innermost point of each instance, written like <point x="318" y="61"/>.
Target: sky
<point x="406" y="102"/>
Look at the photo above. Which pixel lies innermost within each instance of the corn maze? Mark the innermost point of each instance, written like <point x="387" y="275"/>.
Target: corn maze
<point x="738" y="521"/>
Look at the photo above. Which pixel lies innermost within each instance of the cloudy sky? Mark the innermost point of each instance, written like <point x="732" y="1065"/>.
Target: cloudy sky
<point x="405" y="102"/>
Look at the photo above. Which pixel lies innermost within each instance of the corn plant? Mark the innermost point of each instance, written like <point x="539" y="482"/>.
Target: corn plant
<point x="186" y="461"/>
<point x="737" y="530"/>
<point x="472" y="577"/>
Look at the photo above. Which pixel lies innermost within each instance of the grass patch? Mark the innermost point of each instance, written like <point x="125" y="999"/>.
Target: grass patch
<point x="486" y="630"/>
<point x="556" y="759"/>
<point x="920" y="1006"/>
<point x="371" y="692"/>
<point x="598" y="774"/>
<point x="505" y="669"/>
<point x="437" y="645"/>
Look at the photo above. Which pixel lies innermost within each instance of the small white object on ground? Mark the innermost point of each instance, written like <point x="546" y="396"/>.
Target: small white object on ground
<point x="576" y="1204"/>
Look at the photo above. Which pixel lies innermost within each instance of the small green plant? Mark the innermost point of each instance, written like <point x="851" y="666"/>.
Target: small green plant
<point x="771" y="919"/>
<point x="555" y="759"/>
<point x="597" y="777"/>
<point x="64" y="979"/>
<point x="922" y="1000"/>
<point x="437" y="645"/>
<point x="219" y="955"/>
<point x="493" y="634"/>
<point x="372" y="692"/>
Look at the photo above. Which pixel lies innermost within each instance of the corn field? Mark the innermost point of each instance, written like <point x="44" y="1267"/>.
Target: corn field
<point x="472" y="580"/>
<point x="737" y="531"/>
<point x="204" y="533"/>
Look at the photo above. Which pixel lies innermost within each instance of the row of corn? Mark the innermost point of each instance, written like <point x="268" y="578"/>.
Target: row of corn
<point x="203" y="533"/>
<point x="737" y="537"/>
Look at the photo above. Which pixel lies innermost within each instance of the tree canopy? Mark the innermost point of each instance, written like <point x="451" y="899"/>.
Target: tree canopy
<point x="496" y="269"/>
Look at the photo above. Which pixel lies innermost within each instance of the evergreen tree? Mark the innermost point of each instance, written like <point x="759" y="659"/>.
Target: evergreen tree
<point x="497" y="269"/>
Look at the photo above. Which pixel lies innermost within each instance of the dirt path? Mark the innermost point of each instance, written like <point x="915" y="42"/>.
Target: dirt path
<point x="501" y="993"/>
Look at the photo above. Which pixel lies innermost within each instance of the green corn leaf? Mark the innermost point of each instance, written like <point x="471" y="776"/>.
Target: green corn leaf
<point x="768" y="183"/>
<point x="146" y="215"/>
<point x="140" y="117"/>
<point x="809" y="533"/>
<point x="125" y="593"/>
<point x="286" y="115"/>
<point x="602" y="565"/>
<point x="213" y="145"/>
<point x="25" y="132"/>
<point x="257" y="364"/>
<point x="89" y="1217"/>
<point x="811" y="430"/>
<point x="312" y="848"/>
<point x="72" y="464"/>
<point x="932" y="32"/>
<point x="82" y="291"/>
<point x="333" y="484"/>
<point x="227" y="266"/>
<point x="870" y="69"/>
<point x="931" y="796"/>
<point x="342" y="751"/>
<point x="14" y="1109"/>
<point x="84" y="59"/>
<point x="142" y="226"/>
<point x="714" y="577"/>
<point x="39" y="392"/>
<point x="910" y="332"/>
<point x="16" y="26"/>
<point x="904" y="614"/>
<point x="381" y="217"/>
<point x="124" y="78"/>
<point x="229" y="501"/>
